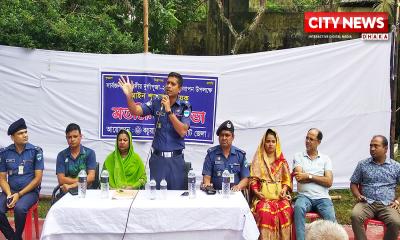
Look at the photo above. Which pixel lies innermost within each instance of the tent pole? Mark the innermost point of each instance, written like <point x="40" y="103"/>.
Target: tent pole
<point x="393" y="75"/>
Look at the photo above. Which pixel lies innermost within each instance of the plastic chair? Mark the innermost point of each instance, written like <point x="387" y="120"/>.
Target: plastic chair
<point x="33" y="211"/>
<point x="312" y="216"/>
<point x="57" y="192"/>
<point x="370" y="221"/>
<point x="188" y="165"/>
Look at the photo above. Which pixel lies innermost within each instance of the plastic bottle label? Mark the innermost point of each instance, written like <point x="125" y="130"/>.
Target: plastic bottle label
<point x="232" y="177"/>
<point x="191" y="180"/>
<point x="82" y="179"/>
<point x="226" y="179"/>
<point x="104" y="179"/>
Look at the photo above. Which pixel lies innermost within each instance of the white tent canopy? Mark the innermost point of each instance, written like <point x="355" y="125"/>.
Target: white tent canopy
<point x="341" y="88"/>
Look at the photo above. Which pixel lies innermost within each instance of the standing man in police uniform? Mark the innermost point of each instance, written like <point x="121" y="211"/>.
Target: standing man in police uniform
<point x="23" y="163"/>
<point x="172" y="121"/>
<point x="225" y="156"/>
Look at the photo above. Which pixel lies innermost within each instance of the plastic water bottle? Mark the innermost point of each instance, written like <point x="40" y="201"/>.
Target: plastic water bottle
<point x="163" y="189"/>
<point x="104" y="184"/>
<point x="82" y="183"/>
<point x="152" y="189"/>
<point x="192" y="183"/>
<point x="226" y="186"/>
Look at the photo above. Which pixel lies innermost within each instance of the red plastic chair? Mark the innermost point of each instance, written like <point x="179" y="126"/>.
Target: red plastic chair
<point x="28" y="224"/>
<point x="370" y="221"/>
<point x="312" y="216"/>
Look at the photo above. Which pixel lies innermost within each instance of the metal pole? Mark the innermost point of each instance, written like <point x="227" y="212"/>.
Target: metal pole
<point x="394" y="77"/>
<point x="146" y="26"/>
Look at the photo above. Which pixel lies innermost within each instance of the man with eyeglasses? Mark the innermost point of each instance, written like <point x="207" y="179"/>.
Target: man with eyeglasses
<point x="313" y="173"/>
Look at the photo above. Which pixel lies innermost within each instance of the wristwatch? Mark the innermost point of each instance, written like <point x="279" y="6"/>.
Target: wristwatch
<point x="169" y="112"/>
<point x="309" y="176"/>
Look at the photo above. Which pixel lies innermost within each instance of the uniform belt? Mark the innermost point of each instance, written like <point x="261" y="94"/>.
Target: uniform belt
<point x="167" y="154"/>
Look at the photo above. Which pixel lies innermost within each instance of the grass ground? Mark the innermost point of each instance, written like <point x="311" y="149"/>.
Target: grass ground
<point x="44" y="206"/>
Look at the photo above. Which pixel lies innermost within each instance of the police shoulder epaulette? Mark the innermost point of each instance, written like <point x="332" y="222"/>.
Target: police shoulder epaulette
<point x="39" y="149"/>
<point x="3" y="149"/>
<point x="212" y="149"/>
<point x="186" y="104"/>
<point x="241" y="151"/>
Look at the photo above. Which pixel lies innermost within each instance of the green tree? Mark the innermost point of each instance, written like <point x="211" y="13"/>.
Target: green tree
<point x="101" y="26"/>
<point x="166" y="17"/>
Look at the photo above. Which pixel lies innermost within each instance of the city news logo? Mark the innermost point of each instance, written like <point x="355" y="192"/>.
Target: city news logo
<point x="371" y="25"/>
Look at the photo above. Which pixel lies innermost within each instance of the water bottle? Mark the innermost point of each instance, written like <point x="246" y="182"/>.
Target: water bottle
<point x="226" y="186"/>
<point x="152" y="189"/>
<point x="82" y="183"/>
<point x="163" y="189"/>
<point x="104" y="184"/>
<point x="192" y="183"/>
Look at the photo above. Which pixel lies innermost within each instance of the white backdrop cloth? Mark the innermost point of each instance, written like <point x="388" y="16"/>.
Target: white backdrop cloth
<point x="341" y="88"/>
<point x="177" y="217"/>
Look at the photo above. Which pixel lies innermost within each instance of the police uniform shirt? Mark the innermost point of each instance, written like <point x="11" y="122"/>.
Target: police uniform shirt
<point x="20" y="168"/>
<point x="166" y="138"/>
<point x="71" y="167"/>
<point x="215" y="163"/>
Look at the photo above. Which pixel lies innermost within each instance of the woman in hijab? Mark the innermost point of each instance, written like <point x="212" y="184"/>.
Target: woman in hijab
<point x="270" y="183"/>
<point x="125" y="167"/>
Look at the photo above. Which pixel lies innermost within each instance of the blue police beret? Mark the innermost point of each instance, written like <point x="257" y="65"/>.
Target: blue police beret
<point x="227" y="125"/>
<point x="16" y="126"/>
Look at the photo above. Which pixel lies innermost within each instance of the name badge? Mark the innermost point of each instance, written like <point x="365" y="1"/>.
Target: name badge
<point x="232" y="177"/>
<point x="219" y="162"/>
<point x="20" y="169"/>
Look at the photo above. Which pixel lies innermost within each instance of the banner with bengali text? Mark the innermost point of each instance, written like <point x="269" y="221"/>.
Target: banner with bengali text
<point x="200" y="91"/>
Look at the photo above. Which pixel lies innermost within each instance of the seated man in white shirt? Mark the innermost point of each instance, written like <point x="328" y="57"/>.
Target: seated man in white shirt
<point x="313" y="172"/>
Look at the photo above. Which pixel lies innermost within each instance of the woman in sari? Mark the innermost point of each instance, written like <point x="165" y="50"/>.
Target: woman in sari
<point x="270" y="182"/>
<point x="125" y="167"/>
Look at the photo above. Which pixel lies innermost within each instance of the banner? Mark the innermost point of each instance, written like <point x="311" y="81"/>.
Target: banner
<point x="200" y="91"/>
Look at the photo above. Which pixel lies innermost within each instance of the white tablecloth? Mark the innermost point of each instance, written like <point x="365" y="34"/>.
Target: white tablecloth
<point x="177" y="217"/>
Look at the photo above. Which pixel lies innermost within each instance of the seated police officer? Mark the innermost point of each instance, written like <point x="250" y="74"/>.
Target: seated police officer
<point x="23" y="163"/>
<point x="73" y="159"/>
<point x="225" y="156"/>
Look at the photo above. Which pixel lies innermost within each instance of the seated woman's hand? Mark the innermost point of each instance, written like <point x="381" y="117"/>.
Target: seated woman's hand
<point x="284" y="193"/>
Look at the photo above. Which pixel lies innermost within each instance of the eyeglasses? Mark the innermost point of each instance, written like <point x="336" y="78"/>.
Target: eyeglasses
<point x="311" y="139"/>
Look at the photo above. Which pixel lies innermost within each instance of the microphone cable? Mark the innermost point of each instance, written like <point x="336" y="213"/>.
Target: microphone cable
<point x="145" y="167"/>
<point x="127" y="217"/>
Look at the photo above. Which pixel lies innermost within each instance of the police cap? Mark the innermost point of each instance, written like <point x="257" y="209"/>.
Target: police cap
<point x="227" y="125"/>
<point x="16" y="126"/>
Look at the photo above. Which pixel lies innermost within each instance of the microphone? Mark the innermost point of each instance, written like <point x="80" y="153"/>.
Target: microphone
<point x="162" y="106"/>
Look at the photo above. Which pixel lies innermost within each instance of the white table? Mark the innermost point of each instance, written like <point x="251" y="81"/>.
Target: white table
<point x="205" y="217"/>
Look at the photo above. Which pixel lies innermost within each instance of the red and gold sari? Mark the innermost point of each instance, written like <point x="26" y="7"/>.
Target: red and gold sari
<point x="273" y="214"/>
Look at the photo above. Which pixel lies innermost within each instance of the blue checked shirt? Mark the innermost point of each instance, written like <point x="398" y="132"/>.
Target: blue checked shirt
<point x="378" y="182"/>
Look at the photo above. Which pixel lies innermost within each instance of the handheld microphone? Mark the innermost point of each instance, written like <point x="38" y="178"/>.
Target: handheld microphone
<point x="162" y="106"/>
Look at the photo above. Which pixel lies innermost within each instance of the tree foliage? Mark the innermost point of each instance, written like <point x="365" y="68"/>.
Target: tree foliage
<point x="100" y="26"/>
